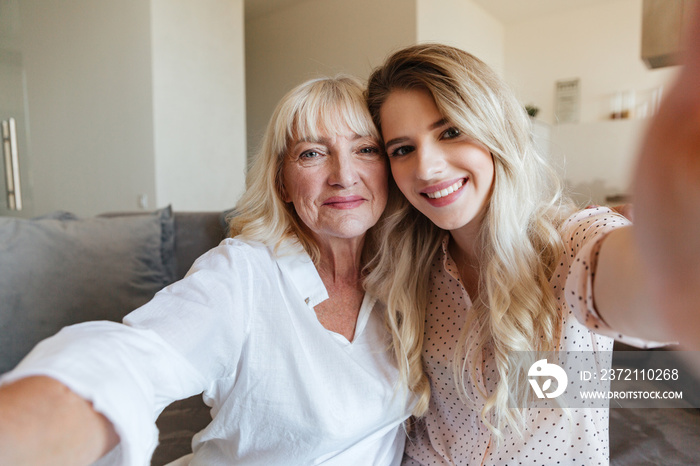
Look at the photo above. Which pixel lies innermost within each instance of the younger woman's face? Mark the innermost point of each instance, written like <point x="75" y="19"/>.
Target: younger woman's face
<point x="444" y="174"/>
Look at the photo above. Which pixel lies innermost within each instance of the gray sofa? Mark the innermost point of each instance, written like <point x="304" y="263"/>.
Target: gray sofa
<point x="58" y="270"/>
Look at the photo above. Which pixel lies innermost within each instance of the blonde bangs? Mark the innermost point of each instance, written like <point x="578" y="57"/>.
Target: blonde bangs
<point x="331" y="108"/>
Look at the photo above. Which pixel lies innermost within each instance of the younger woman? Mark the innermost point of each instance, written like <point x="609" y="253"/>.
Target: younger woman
<point x="485" y="257"/>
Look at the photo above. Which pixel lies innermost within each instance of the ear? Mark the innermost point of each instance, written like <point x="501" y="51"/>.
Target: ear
<point x="284" y="194"/>
<point x="280" y="181"/>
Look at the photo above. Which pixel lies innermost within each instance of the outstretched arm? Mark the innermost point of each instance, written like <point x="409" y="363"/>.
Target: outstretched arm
<point x="42" y="422"/>
<point x="667" y="199"/>
<point x="648" y="278"/>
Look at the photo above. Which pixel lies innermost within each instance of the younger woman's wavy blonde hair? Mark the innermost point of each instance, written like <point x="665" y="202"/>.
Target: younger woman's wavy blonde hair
<point x="519" y="240"/>
<point x="322" y="105"/>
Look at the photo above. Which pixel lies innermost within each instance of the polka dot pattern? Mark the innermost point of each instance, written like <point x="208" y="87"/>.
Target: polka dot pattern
<point x="452" y="432"/>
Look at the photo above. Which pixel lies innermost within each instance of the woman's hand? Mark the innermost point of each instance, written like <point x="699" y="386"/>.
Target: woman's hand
<point x="42" y="422"/>
<point x="667" y="200"/>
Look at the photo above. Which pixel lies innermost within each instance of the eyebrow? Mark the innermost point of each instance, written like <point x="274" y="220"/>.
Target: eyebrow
<point x="324" y="141"/>
<point x="327" y="141"/>
<point x="441" y="122"/>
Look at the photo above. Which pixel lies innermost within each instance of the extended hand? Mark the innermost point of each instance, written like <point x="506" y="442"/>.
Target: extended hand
<point x="667" y="199"/>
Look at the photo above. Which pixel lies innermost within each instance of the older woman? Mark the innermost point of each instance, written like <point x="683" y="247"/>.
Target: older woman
<point x="273" y="325"/>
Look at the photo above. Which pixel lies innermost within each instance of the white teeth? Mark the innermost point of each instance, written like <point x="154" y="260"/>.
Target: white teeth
<point x="446" y="191"/>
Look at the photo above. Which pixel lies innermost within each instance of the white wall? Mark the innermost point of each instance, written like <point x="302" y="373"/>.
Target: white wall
<point x="462" y="24"/>
<point x="199" y="103"/>
<point x="600" y="44"/>
<point x="88" y="77"/>
<point x="134" y="100"/>
<point x="108" y="82"/>
<point x="596" y="158"/>
<point x="314" y="38"/>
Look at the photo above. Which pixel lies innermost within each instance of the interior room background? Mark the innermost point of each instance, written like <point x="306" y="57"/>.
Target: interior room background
<point x="135" y="104"/>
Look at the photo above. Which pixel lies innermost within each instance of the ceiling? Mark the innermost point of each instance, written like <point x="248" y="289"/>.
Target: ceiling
<point x="507" y="11"/>
<point x="256" y="8"/>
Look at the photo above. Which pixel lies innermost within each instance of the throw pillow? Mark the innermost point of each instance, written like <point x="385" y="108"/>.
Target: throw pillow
<point x="59" y="270"/>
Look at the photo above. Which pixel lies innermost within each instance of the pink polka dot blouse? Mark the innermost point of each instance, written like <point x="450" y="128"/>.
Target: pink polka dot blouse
<point x="452" y="432"/>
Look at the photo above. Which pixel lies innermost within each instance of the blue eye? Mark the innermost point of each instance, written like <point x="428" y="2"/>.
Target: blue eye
<point x="309" y="154"/>
<point x="451" y="133"/>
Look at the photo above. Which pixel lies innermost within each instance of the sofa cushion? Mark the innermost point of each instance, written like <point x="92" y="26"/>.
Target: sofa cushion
<point x="59" y="270"/>
<point x="195" y="234"/>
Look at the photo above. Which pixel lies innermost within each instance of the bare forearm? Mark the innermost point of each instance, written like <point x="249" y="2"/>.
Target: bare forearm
<point x="42" y="422"/>
<point x="622" y="291"/>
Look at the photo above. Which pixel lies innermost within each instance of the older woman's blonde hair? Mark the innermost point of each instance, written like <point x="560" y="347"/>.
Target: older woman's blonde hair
<point x="322" y="105"/>
<point x="519" y="240"/>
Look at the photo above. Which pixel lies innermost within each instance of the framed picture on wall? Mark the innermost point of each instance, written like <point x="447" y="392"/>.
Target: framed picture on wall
<point x="567" y="101"/>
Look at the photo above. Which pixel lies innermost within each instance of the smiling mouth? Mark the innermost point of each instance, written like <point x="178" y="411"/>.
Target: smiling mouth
<point x="344" y="202"/>
<point x="446" y="191"/>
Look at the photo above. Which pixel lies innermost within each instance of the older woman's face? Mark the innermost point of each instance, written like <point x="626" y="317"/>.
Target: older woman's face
<point x="338" y="183"/>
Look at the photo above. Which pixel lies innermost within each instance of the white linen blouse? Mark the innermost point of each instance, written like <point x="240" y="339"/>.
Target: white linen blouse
<point x="241" y="328"/>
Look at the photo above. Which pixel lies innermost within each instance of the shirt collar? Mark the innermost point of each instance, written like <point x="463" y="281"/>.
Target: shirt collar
<point x="299" y="269"/>
<point x="447" y="262"/>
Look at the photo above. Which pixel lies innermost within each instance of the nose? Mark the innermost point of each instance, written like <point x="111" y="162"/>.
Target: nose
<point x="344" y="170"/>
<point x="429" y="162"/>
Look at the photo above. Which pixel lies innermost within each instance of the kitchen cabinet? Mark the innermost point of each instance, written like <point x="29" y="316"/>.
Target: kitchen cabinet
<point x="662" y="25"/>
